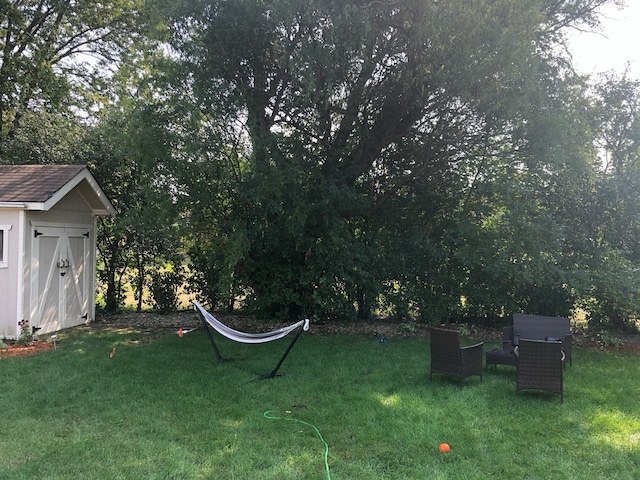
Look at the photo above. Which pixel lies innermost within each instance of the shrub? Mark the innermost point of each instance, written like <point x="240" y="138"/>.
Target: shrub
<point x="164" y="290"/>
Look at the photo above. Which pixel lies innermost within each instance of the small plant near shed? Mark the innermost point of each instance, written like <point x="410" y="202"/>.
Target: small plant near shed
<point x="26" y="337"/>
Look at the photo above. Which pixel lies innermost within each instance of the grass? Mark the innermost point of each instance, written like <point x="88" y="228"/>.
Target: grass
<point x="166" y="410"/>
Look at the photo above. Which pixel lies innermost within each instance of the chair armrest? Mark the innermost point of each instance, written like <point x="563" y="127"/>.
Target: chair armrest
<point x="567" y="345"/>
<point x="568" y="339"/>
<point x="472" y="355"/>
<point x="471" y="351"/>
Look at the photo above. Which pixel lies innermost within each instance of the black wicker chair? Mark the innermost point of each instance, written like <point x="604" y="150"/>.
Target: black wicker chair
<point x="539" y="327"/>
<point x="540" y="366"/>
<point x="448" y="357"/>
<point x="504" y="355"/>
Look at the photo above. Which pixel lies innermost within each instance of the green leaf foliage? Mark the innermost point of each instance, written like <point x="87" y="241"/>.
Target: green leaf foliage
<point x="437" y="160"/>
<point x="384" y="141"/>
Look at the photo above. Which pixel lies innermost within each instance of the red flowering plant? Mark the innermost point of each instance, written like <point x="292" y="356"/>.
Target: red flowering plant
<point x="26" y="337"/>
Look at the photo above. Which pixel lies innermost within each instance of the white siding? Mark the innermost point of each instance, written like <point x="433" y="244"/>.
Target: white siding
<point x="10" y="279"/>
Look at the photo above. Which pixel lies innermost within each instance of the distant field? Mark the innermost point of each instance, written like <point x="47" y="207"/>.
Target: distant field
<point x="185" y="300"/>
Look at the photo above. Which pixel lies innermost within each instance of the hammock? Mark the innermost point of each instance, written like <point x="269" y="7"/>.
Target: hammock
<point x="210" y="321"/>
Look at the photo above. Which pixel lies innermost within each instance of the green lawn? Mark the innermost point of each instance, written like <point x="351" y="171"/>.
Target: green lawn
<point x="166" y="410"/>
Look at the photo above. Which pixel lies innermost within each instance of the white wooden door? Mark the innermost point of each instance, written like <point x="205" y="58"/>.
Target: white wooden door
<point x="60" y="282"/>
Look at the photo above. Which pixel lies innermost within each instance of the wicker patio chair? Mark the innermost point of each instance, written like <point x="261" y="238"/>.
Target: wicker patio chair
<point x="503" y="355"/>
<point x="540" y="366"/>
<point x="450" y="358"/>
<point x="539" y="327"/>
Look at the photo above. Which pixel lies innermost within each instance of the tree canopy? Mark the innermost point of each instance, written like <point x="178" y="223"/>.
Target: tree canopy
<point x="412" y="157"/>
<point x="48" y="46"/>
<point x="381" y="134"/>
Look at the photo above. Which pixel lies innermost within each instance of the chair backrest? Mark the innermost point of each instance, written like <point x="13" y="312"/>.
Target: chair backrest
<point x="539" y="327"/>
<point x="507" y="339"/>
<point x="540" y="366"/>
<point x="532" y="349"/>
<point x="444" y="338"/>
<point x="445" y="348"/>
<point x="540" y="359"/>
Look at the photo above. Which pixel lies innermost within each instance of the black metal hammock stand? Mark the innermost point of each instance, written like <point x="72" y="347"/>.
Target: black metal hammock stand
<point x="211" y="322"/>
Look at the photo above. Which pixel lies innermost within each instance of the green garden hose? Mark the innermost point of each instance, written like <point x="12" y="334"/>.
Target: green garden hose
<point x="268" y="415"/>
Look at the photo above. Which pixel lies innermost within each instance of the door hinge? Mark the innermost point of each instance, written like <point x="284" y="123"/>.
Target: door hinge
<point x="36" y="234"/>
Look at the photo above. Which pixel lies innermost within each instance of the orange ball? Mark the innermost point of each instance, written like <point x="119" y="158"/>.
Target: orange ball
<point x="444" y="448"/>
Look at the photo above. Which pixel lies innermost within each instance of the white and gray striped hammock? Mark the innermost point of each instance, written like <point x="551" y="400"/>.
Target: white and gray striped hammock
<point x="210" y="321"/>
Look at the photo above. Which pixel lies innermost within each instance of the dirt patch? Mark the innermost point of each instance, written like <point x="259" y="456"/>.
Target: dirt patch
<point x="625" y="347"/>
<point x="153" y="326"/>
<point x="152" y="323"/>
<point x="22" y="350"/>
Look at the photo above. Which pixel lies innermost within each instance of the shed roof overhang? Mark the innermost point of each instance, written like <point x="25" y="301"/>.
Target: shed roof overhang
<point x="85" y="185"/>
<point x="88" y="188"/>
<point x="16" y="205"/>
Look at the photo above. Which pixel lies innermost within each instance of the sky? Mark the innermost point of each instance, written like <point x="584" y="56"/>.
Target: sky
<point x="617" y="45"/>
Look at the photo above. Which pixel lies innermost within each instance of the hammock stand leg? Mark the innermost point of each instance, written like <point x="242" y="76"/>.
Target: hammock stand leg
<point x="274" y="373"/>
<point x="213" y="343"/>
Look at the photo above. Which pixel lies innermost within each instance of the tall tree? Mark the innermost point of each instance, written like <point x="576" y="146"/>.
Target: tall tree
<point x="353" y="108"/>
<point x="130" y="150"/>
<point x="48" y="46"/>
<point x="613" y="259"/>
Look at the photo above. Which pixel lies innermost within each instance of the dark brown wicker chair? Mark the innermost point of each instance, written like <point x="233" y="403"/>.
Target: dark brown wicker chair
<point x="503" y="355"/>
<point x="448" y="357"/>
<point x="539" y="327"/>
<point x="540" y="366"/>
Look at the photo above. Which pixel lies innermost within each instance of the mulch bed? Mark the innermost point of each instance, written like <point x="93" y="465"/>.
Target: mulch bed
<point x="154" y="326"/>
<point x="22" y="350"/>
<point x="625" y="347"/>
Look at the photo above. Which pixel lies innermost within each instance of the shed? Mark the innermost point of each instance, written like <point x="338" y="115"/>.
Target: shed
<point x="48" y="246"/>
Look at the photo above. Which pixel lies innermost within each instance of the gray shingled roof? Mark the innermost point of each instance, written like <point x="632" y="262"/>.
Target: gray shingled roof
<point x="34" y="183"/>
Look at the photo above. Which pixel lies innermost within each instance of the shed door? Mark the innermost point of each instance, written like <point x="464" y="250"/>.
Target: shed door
<point x="60" y="282"/>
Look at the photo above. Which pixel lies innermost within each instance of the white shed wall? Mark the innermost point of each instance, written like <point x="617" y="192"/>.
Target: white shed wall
<point x="10" y="277"/>
<point x="72" y="211"/>
<point x="49" y="278"/>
